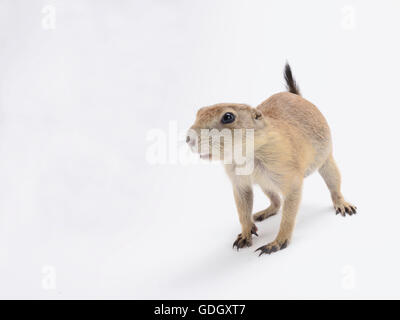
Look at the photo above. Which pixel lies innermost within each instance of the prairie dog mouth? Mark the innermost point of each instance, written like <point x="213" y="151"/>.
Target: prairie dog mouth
<point x="205" y="156"/>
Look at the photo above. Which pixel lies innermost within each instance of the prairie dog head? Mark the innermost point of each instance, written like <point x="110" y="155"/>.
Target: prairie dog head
<point x="224" y="131"/>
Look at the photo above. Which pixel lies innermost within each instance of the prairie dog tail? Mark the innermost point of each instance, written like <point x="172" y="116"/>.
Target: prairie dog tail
<point x="290" y="82"/>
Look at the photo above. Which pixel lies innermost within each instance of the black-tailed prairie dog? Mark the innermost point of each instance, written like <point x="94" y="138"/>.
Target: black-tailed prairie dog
<point x="289" y="139"/>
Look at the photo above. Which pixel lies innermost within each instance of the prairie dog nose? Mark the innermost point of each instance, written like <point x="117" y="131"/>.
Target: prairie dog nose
<point x="191" y="138"/>
<point x="190" y="141"/>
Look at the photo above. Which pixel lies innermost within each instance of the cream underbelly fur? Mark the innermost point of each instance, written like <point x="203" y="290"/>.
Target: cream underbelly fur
<point x="291" y="140"/>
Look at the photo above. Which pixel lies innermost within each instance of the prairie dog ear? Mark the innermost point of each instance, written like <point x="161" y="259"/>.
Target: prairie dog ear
<point x="257" y="115"/>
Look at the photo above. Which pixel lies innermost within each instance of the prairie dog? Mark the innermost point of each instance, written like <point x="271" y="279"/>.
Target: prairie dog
<point x="291" y="139"/>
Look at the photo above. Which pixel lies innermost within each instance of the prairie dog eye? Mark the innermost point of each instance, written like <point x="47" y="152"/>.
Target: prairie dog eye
<point x="228" y="117"/>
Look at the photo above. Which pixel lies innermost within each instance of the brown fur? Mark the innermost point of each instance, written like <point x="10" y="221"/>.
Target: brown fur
<point x="292" y="140"/>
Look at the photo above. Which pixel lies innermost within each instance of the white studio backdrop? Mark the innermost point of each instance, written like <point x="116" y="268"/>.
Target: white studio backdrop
<point x="85" y="214"/>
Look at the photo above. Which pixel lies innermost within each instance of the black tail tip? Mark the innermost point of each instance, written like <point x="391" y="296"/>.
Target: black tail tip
<point x="290" y="82"/>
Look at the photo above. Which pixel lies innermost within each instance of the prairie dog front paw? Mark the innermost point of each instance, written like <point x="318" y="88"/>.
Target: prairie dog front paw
<point x="344" y="208"/>
<point x="245" y="240"/>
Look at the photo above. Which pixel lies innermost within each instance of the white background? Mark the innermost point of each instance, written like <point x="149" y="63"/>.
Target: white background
<point x="83" y="214"/>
